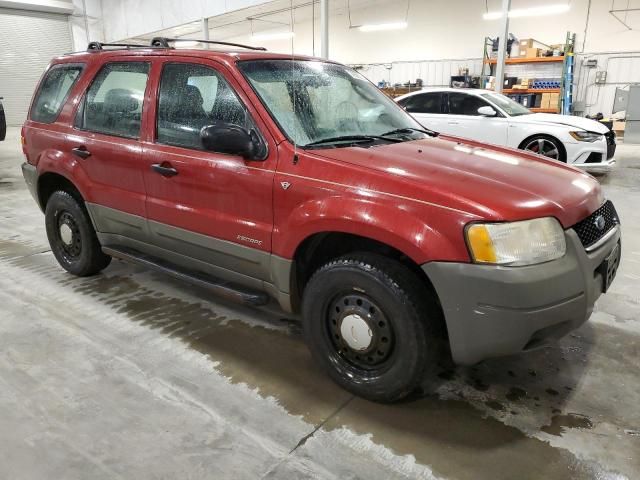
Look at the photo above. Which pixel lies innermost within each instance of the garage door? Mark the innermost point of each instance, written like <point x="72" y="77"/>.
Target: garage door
<point x="28" y="41"/>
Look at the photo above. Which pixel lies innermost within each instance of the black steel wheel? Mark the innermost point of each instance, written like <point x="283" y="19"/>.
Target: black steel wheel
<point x="367" y="320"/>
<point x="69" y="236"/>
<point x="360" y="331"/>
<point x="72" y="237"/>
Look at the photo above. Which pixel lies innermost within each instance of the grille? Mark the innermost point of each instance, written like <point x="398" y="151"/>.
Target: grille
<point x="611" y="143"/>
<point x="587" y="230"/>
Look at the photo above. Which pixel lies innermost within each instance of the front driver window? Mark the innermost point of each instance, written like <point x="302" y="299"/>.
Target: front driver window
<point x="465" y="104"/>
<point x="191" y="97"/>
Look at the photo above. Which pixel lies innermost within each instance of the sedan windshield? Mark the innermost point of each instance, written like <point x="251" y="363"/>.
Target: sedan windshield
<point x="513" y="109"/>
<point x="324" y="104"/>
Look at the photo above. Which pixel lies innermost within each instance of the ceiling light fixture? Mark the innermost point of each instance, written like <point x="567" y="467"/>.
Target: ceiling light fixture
<point x="383" y="26"/>
<point x="530" y="12"/>
<point x="272" y="36"/>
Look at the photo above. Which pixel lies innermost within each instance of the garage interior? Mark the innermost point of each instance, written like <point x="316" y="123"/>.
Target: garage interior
<point x="133" y="374"/>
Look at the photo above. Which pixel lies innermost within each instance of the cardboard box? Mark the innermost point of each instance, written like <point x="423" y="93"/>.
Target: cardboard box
<point x="526" y="43"/>
<point x="618" y="126"/>
<point x="546" y="99"/>
<point x="525" y="83"/>
<point x="532" y="53"/>
<point x="554" y="98"/>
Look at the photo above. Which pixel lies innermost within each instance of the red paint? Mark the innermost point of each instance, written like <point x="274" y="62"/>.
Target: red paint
<point x="415" y="196"/>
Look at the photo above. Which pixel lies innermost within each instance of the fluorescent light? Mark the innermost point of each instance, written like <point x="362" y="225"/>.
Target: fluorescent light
<point x="383" y="26"/>
<point x="272" y="36"/>
<point x="529" y="12"/>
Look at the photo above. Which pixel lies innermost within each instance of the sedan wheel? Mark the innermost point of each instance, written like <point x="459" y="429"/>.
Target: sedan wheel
<point x="543" y="146"/>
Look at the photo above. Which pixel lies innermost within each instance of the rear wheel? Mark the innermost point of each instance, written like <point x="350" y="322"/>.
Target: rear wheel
<point x="546" y="146"/>
<point x="72" y="237"/>
<point x="367" y="320"/>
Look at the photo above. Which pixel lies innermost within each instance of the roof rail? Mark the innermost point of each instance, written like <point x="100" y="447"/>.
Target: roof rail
<point x="164" y="42"/>
<point x="97" y="46"/>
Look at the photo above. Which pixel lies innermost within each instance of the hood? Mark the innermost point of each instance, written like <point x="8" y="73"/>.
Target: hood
<point x="491" y="183"/>
<point x="568" y="120"/>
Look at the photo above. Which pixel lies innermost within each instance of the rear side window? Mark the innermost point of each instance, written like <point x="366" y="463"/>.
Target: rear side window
<point x="54" y="91"/>
<point x="191" y="97"/>
<point x="113" y="103"/>
<point x="423" y="103"/>
<point x="465" y="104"/>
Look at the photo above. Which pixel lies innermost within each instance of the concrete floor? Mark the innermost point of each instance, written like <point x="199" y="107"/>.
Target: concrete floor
<point x="130" y="374"/>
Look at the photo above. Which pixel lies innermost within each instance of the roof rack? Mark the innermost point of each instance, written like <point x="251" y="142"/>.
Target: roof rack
<point x="97" y="46"/>
<point x="164" y="42"/>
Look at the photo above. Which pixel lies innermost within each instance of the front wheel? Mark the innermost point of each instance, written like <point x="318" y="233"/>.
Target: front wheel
<point x="546" y="146"/>
<point x="72" y="237"/>
<point x="367" y="320"/>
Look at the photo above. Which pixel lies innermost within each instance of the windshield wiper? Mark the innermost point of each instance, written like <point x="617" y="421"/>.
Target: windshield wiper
<point x="353" y="138"/>
<point x="431" y="133"/>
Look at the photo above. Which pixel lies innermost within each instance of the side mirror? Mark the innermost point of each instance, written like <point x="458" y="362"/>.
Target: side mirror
<point x="228" y="138"/>
<point x="487" y="111"/>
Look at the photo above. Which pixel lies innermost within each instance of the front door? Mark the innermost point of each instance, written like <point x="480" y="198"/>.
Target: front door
<point x="105" y="142"/>
<point x="212" y="207"/>
<point x="463" y="120"/>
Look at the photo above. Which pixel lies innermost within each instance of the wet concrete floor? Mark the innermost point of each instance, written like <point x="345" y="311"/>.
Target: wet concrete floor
<point x="131" y="374"/>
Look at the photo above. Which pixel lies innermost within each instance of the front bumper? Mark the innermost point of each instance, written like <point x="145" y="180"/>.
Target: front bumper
<point x="30" y="175"/>
<point x="602" y="167"/>
<point x="492" y="311"/>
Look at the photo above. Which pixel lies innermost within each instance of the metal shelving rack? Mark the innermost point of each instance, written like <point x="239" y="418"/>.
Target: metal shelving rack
<point x="565" y="99"/>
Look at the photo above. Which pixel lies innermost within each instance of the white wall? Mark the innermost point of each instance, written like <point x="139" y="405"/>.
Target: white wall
<point x="87" y="26"/>
<point x="443" y="35"/>
<point x="452" y="29"/>
<point x="130" y="18"/>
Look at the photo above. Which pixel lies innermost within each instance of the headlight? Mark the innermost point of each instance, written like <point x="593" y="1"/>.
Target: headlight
<point x="516" y="243"/>
<point x="583" y="136"/>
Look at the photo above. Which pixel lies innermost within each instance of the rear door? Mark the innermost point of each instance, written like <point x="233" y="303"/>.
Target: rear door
<point x="212" y="207"/>
<point x="427" y="108"/>
<point x="106" y="143"/>
<point x="464" y="120"/>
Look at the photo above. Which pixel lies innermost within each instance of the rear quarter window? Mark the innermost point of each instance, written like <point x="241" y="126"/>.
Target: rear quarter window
<point x="54" y="91"/>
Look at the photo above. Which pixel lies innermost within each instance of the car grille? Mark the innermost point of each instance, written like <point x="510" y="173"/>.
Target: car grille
<point x="610" y="136"/>
<point x="587" y="230"/>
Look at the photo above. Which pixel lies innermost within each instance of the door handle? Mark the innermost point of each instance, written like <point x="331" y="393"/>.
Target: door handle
<point x="81" y="152"/>
<point x="165" y="170"/>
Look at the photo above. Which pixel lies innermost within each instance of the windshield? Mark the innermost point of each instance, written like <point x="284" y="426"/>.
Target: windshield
<point x="319" y="103"/>
<point x="512" y="108"/>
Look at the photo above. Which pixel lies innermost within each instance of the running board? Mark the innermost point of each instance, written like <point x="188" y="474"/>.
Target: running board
<point x="219" y="287"/>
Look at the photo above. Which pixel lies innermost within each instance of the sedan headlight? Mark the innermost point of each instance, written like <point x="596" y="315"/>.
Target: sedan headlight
<point x="516" y="243"/>
<point x="583" y="136"/>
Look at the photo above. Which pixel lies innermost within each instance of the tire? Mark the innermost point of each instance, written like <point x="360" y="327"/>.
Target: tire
<point x="399" y="310"/>
<point x="550" y="146"/>
<point x="72" y="237"/>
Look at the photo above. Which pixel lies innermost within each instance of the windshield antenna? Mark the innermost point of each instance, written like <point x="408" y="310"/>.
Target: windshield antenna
<point x="293" y="85"/>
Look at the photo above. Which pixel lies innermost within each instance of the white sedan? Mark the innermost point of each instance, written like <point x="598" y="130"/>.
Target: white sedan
<point x="490" y="117"/>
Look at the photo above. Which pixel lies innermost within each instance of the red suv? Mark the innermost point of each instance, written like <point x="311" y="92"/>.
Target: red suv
<point x="261" y="176"/>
